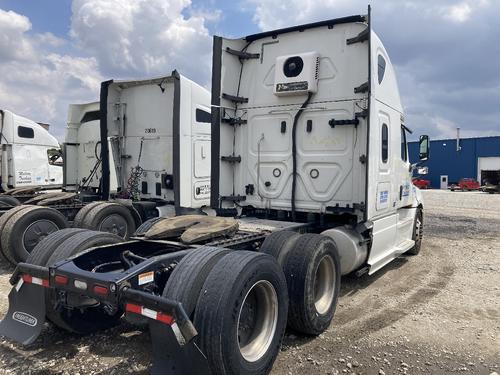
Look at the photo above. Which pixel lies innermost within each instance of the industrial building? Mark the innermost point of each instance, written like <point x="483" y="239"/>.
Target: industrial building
<point x="453" y="159"/>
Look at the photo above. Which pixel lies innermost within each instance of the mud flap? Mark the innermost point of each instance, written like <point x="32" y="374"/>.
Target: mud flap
<point x="26" y="315"/>
<point x="169" y="357"/>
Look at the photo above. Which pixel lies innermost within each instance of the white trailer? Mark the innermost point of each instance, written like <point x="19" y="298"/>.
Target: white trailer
<point x="308" y="135"/>
<point x="143" y="151"/>
<point x="26" y="150"/>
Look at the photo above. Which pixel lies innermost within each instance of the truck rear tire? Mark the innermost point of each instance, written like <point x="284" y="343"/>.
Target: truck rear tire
<point x="278" y="244"/>
<point x="186" y="281"/>
<point x="241" y="314"/>
<point x="3" y="220"/>
<point x="80" y="215"/>
<point x="312" y="272"/>
<point x="112" y="218"/>
<point x="90" y="319"/>
<point x="45" y="248"/>
<point x="7" y="201"/>
<point x="26" y="228"/>
<point x="418" y="232"/>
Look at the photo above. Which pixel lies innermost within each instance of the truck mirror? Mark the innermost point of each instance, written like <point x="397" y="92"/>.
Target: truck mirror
<point x="423" y="170"/>
<point x="424" y="147"/>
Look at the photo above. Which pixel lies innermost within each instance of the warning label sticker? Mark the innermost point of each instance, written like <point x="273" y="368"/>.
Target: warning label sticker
<point x="146" y="277"/>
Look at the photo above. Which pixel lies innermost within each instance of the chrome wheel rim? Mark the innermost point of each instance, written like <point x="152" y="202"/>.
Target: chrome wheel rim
<point x="37" y="231"/>
<point x="257" y="321"/>
<point x="418" y="229"/>
<point x="115" y="224"/>
<point x="324" y="285"/>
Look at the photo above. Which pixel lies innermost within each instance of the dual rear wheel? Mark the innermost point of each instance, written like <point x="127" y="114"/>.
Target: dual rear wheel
<point x="311" y="265"/>
<point x="240" y="301"/>
<point x="23" y="227"/>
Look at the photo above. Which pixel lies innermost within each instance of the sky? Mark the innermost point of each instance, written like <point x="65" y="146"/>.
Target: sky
<point x="56" y="52"/>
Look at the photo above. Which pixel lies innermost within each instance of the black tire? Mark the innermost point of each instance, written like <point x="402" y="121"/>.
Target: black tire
<point x="3" y="220"/>
<point x="112" y="218"/>
<point x="311" y="267"/>
<point x="26" y="228"/>
<point x="45" y="248"/>
<point x="144" y="227"/>
<point x="186" y="281"/>
<point x="9" y="201"/>
<point x="236" y="280"/>
<point x="80" y="215"/>
<point x="91" y="319"/>
<point x="278" y="244"/>
<point x="418" y="232"/>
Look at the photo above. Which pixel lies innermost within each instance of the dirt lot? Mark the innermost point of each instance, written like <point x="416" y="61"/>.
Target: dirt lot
<point x="436" y="313"/>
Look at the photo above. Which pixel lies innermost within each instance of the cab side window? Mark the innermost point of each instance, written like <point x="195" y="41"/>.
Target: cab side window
<point x="385" y="143"/>
<point x="203" y="116"/>
<point x="25" y="132"/>
<point x="381" y="68"/>
<point x="404" y="147"/>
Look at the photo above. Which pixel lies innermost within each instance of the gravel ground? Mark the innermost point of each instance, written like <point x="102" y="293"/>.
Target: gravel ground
<point x="436" y="313"/>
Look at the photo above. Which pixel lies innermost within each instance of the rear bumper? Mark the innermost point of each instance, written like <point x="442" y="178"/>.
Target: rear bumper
<point x="172" y="332"/>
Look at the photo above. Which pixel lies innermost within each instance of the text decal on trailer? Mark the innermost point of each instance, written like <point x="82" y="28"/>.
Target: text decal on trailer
<point x="24" y="318"/>
<point x="24" y="177"/>
<point x="384" y="196"/>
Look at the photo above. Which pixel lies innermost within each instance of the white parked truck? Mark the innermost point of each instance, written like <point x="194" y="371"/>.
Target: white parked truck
<point x="82" y="148"/>
<point x="143" y="151"/>
<point x="28" y="156"/>
<point x="310" y="180"/>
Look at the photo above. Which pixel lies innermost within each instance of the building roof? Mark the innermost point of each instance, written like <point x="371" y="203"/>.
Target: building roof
<point x="461" y="138"/>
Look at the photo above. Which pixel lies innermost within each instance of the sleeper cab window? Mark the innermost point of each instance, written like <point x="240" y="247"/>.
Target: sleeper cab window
<point x="203" y="116"/>
<point x="91" y="116"/>
<point x="385" y="143"/>
<point x="381" y="68"/>
<point x="25" y="132"/>
<point x="404" y="149"/>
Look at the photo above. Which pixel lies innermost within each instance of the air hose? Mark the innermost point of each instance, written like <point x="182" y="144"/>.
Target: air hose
<point x="294" y="151"/>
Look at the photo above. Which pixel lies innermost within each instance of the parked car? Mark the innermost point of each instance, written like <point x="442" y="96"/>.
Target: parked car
<point x="466" y="184"/>
<point x="421" y="183"/>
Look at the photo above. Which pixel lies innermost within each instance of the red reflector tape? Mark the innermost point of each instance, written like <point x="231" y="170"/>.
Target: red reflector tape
<point x="27" y="278"/>
<point x="152" y="314"/>
<point x="130" y="307"/>
<point x="164" y="318"/>
<point x="35" y="280"/>
<point x="63" y="280"/>
<point x="101" y="290"/>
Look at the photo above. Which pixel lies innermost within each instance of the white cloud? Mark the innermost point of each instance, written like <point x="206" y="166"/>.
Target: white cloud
<point x="272" y="14"/>
<point x="38" y="83"/>
<point x="110" y="39"/>
<point x="144" y="37"/>
<point x="13" y="44"/>
<point x="462" y="12"/>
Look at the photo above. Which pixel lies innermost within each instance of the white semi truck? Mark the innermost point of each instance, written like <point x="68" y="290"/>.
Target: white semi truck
<point x="143" y="151"/>
<point x="310" y="180"/>
<point x="82" y="148"/>
<point x="28" y="156"/>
